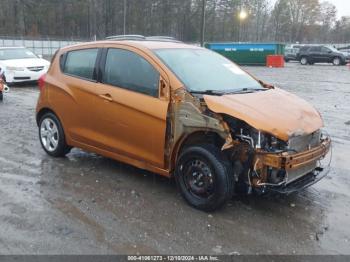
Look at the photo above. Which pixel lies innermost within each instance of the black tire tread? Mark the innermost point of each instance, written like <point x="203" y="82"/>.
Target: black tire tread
<point x="219" y="162"/>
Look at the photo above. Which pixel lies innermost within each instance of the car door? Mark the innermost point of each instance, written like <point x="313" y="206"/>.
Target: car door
<point x="326" y="54"/>
<point x="130" y="112"/>
<point x="315" y="54"/>
<point x="73" y="100"/>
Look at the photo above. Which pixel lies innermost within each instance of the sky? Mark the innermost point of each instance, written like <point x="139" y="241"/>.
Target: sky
<point x="343" y="6"/>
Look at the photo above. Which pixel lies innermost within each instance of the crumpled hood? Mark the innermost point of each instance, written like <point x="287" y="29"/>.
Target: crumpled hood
<point x="274" y="111"/>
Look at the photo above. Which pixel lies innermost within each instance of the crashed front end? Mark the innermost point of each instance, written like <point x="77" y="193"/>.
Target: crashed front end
<point x="265" y="163"/>
<point x="276" y="141"/>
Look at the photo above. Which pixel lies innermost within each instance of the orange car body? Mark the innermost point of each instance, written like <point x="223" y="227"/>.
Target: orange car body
<point x="149" y="132"/>
<point x="2" y="85"/>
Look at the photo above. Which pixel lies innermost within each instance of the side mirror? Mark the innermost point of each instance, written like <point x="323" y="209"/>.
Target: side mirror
<point x="40" y="56"/>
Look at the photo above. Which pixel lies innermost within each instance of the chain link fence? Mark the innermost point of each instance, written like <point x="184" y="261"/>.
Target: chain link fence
<point x="40" y="46"/>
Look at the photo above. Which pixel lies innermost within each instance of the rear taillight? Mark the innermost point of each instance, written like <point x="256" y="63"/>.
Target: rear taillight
<point x="41" y="82"/>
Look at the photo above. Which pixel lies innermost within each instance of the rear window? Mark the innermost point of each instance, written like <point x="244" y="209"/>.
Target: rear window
<point x="304" y="48"/>
<point x="81" y="63"/>
<point x="128" y="70"/>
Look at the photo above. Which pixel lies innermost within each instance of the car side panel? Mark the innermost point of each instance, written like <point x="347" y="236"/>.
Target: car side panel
<point x="132" y="124"/>
<point x="72" y="100"/>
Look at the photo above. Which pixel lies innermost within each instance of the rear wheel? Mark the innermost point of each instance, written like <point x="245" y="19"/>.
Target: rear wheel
<point x="52" y="137"/>
<point x="304" y="60"/>
<point x="336" y="61"/>
<point x="204" y="177"/>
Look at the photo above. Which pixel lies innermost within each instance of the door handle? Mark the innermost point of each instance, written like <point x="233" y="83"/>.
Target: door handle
<point x="107" y="97"/>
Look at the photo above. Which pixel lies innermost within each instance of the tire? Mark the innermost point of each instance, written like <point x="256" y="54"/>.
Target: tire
<point x="337" y="61"/>
<point x="1" y="96"/>
<point x="286" y="60"/>
<point x="52" y="137"/>
<point x="304" y="60"/>
<point x="207" y="166"/>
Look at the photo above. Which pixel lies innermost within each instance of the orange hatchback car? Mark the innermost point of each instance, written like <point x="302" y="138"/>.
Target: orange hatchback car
<point x="183" y="111"/>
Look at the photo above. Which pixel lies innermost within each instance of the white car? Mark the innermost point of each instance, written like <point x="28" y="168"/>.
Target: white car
<point x="21" y="65"/>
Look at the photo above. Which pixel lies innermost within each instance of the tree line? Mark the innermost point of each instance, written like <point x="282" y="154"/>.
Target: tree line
<point x="267" y="20"/>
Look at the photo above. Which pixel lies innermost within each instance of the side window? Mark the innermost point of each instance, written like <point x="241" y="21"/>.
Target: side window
<point x="325" y="49"/>
<point x="81" y="63"/>
<point x="128" y="70"/>
<point x="315" y="49"/>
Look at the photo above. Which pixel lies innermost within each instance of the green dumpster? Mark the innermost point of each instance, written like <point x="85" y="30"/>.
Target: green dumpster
<point x="247" y="53"/>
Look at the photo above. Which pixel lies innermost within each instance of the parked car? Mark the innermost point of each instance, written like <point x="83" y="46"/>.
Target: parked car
<point x="290" y="54"/>
<point x="3" y="87"/>
<point x="21" y="65"/>
<point x="321" y="54"/>
<point x="346" y="53"/>
<point x="183" y="111"/>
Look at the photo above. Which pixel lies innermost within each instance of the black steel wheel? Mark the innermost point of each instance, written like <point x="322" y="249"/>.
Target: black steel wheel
<point x="204" y="177"/>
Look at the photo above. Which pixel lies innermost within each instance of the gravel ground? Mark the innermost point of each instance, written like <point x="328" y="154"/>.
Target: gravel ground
<point x="87" y="204"/>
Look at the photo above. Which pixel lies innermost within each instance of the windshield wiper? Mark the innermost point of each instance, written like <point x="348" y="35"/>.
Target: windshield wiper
<point x="207" y="92"/>
<point x="244" y="91"/>
<point x="227" y="92"/>
<point x="250" y="90"/>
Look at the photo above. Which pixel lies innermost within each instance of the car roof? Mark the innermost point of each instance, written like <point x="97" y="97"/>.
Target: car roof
<point x="151" y="45"/>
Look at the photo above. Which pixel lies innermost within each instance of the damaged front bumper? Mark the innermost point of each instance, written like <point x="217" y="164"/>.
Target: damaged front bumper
<point x="304" y="182"/>
<point x="301" y="169"/>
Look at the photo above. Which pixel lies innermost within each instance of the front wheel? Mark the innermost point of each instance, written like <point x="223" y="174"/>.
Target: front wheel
<point x="52" y="137"/>
<point x="304" y="61"/>
<point x="336" y="61"/>
<point x="204" y="177"/>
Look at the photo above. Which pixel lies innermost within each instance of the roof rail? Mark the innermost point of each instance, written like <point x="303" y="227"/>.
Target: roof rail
<point x="126" y="37"/>
<point x="143" y="38"/>
<point x="163" y="38"/>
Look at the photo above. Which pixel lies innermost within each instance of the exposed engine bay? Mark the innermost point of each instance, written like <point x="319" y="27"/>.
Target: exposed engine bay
<point x="253" y="148"/>
<point x="260" y="160"/>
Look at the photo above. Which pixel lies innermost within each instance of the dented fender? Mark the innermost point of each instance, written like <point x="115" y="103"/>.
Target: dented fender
<point x="187" y="116"/>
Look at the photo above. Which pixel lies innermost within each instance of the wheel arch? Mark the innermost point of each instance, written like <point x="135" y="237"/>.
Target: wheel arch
<point x="194" y="138"/>
<point x="42" y="112"/>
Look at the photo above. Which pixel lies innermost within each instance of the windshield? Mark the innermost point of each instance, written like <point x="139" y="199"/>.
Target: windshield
<point x="201" y="70"/>
<point x="16" y="53"/>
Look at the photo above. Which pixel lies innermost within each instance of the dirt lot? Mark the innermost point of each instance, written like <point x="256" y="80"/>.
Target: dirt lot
<point x="87" y="204"/>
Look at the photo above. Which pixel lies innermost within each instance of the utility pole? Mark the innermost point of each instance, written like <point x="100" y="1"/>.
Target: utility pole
<point x="124" y="21"/>
<point x="204" y="3"/>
